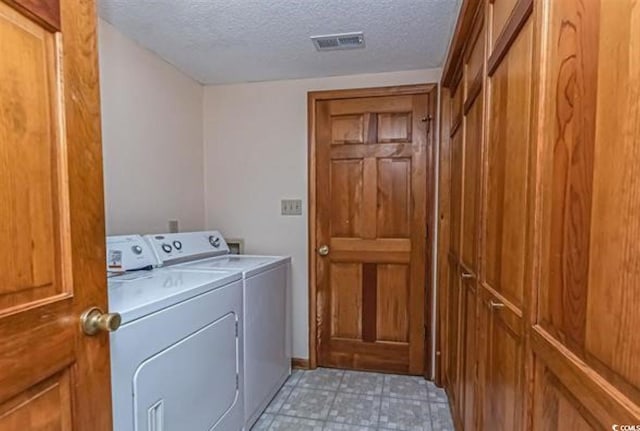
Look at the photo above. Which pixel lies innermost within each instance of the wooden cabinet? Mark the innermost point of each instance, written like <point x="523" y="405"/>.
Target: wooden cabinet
<point x="585" y="337"/>
<point x="466" y="104"/>
<point x="539" y="164"/>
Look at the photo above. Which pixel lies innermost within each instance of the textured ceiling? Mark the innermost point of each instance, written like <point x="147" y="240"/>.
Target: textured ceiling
<point x="225" y="41"/>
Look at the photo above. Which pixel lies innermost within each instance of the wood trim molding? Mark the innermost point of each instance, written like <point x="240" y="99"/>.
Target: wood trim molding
<point x="477" y="24"/>
<point x="464" y="26"/>
<point x="509" y="33"/>
<point x="299" y="363"/>
<point x="442" y="267"/>
<point x="311" y="192"/>
<point x="456" y="79"/>
<point x="593" y="391"/>
<point x="45" y="12"/>
<point x="474" y="91"/>
<point x="455" y="124"/>
<point x="397" y="90"/>
<point x="312" y="98"/>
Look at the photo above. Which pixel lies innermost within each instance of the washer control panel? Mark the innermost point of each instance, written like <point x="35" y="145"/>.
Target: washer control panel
<point x="177" y="247"/>
<point x="128" y="252"/>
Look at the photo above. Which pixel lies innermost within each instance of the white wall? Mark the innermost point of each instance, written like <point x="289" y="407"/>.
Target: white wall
<point x="152" y="139"/>
<point x="255" y="143"/>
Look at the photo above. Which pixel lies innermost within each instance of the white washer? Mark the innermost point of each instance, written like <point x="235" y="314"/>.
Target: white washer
<point x="267" y="347"/>
<point x="177" y="359"/>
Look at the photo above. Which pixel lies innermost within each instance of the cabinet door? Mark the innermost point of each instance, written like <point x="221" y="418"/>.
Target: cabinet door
<point x="503" y="367"/>
<point x="469" y="337"/>
<point x="506" y="214"/>
<point x="453" y="330"/>
<point x="471" y="192"/>
<point x="454" y="286"/>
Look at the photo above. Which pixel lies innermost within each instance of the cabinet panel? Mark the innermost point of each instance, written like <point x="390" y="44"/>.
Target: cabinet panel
<point x="453" y="328"/>
<point x="471" y="185"/>
<point x="457" y="98"/>
<point x="456" y="191"/>
<point x="469" y="354"/>
<point x="500" y="10"/>
<point x="507" y="169"/>
<point x="590" y="265"/>
<point x="474" y="56"/>
<point x="503" y="369"/>
<point x="555" y="408"/>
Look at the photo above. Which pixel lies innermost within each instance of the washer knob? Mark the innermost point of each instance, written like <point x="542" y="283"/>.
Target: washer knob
<point x="177" y="245"/>
<point x="136" y="249"/>
<point x="166" y="248"/>
<point x="214" y="241"/>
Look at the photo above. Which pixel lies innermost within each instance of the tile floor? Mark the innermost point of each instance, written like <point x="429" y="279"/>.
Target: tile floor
<point x="337" y="400"/>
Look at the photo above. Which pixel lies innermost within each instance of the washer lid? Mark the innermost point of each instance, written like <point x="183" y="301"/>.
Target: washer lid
<point x="138" y="294"/>
<point x="242" y="262"/>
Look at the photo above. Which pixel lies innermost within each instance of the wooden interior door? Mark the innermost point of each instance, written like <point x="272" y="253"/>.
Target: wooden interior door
<point x="371" y="179"/>
<point x="52" y="377"/>
<point x="505" y="209"/>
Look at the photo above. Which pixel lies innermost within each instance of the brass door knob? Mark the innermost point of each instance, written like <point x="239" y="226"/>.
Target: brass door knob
<point x="323" y="250"/>
<point x="95" y="320"/>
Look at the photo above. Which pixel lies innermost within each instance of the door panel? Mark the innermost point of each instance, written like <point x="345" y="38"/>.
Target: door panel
<point x="393" y="303"/>
<point x="44" y="407"/>
<point x="346" y="181"/>
<point x="394" y="197"/>
<point x="371" y="189"/>
<point x="346" y="300"/>
<point x="51" y="376"/>
<point x="30" y="95"/>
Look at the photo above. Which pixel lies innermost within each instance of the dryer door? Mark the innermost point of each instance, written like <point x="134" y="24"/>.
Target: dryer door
<point x="192" y="385"/>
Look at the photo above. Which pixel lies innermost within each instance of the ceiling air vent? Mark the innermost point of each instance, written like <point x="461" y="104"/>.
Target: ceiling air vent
<point x="330" y="42"/>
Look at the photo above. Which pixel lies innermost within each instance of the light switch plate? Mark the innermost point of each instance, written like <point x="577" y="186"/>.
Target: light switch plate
<point x="291" y="207"/>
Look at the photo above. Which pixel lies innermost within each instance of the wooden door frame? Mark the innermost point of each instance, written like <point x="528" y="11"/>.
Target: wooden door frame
<point x="317" y="96"/>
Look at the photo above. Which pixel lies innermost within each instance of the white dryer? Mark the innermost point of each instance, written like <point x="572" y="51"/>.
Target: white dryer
<point x="267" y="349"/>
<point x="177" y="359"/>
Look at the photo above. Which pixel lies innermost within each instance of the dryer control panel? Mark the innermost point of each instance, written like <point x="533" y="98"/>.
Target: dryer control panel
<point x="179" y="247"/>
<point x="129" y="252"/>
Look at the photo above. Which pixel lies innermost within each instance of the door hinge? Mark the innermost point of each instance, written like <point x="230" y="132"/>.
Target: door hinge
<point x="427" y="120"/>
<point x="237" y="381"/>
<point x="237" y="331"/>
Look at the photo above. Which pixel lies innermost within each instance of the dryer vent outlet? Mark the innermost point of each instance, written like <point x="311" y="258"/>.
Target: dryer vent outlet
<point x="332" y="42"/>
<point x="173" y="226"/>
